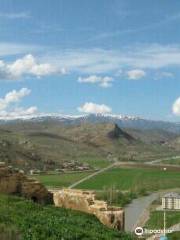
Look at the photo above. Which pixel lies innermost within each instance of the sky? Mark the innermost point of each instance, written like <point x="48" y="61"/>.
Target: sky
<point x="80" y="57"/>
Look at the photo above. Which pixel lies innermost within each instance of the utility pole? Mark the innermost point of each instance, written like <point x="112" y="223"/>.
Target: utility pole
<point x="164" y="223"/>
<point x="164" y="237"/>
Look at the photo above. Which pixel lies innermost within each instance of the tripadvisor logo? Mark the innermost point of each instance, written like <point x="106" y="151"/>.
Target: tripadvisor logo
<point x="139" y="231"/>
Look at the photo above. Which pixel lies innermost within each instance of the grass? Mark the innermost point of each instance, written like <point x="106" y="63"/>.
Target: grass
<point x="156" y="219"/>
<point x="61" y="180"/>
<point x="175" y="161"/>
<point x="116" y="198"/>
<point x="95" y="162"/>
<point x="134" y="179"/>
<point x="174" y="236"/>
<point x="156" y="222"/>
<point x="30" y="221"/>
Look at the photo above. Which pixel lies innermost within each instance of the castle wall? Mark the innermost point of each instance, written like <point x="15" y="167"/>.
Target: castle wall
<point x="85" y="201"/>
<point x="14" y="182"/>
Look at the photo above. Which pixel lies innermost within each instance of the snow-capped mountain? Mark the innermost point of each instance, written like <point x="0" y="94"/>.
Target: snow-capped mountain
<point x="121" y="120"/>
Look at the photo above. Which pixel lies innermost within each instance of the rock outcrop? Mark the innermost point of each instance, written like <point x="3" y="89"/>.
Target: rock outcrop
<point x="85" y="201"/>
<point x="13" y="181"/>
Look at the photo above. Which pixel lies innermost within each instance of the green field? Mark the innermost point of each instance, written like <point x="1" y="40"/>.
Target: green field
<point x="61" y="180"/>
<point x="156" y="219"/>
<point x="24" y="220"/>
<point x="134" y="179"/>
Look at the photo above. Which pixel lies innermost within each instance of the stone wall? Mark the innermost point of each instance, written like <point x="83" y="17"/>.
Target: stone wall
<point x="85" y="201"/>
<point x="14" y="182"/>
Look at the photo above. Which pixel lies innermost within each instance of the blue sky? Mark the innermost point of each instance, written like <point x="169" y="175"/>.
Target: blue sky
<point x="76" y="57"/>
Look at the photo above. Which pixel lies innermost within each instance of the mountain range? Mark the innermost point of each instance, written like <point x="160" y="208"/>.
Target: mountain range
<point x="46" y="142"/>
<point x="121" y="120"/>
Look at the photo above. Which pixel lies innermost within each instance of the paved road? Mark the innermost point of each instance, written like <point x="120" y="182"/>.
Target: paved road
<point x="134" y="212"/>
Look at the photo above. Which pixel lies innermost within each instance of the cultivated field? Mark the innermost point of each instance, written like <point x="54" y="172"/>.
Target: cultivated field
<point x="62" y="179"/>
<point x="134" y="179"/>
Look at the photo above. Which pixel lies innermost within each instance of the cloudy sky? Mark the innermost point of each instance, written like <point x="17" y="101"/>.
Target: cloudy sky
<point x="76" y="57"/>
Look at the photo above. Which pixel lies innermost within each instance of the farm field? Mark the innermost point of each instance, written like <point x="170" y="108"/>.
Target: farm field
<point x="47" y="222"/>
<point x="134" y="179"/>
<point x="61" y="180"/>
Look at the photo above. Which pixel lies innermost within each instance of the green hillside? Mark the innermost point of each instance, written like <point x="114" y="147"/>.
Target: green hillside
<point x="24" y="220"/>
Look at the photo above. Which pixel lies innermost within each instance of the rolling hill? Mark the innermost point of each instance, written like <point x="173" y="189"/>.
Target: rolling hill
<point x="48" y="143"/>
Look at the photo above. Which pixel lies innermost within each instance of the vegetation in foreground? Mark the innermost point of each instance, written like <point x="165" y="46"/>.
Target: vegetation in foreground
<point x="24" y="220"/>
<point x="134" y="179"/>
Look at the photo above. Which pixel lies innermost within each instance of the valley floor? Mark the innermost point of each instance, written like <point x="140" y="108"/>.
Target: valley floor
<point x="121" y="178"/>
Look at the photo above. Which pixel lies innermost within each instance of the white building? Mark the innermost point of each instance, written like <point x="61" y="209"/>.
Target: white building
<point x="171" y="201"/>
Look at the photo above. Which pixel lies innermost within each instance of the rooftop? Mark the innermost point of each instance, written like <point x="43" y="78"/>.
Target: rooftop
<point x="172" y="195"/>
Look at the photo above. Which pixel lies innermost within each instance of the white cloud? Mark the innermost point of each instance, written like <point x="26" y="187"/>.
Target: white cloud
<point x="13" y="97"/>
<point x="136" y="74"/>
<point x="19" y="113"/>
<point x="101" y="61"/>
<point x="27" y="65"/>
<point x="7" y="109"/>
<point x="94" y="108"/>
<point x="101" y="81"/>
<point x="176" y="107"/>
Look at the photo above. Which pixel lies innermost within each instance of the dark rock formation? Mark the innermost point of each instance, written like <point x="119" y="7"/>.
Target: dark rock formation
<point x="117" y="133"/>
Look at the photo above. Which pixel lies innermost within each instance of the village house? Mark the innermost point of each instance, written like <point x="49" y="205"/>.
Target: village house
<point x="171" y="201"/>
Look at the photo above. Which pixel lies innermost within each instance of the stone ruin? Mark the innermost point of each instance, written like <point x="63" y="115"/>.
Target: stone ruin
<point x="85" y="201"/>
<point x="15" y="182"/>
